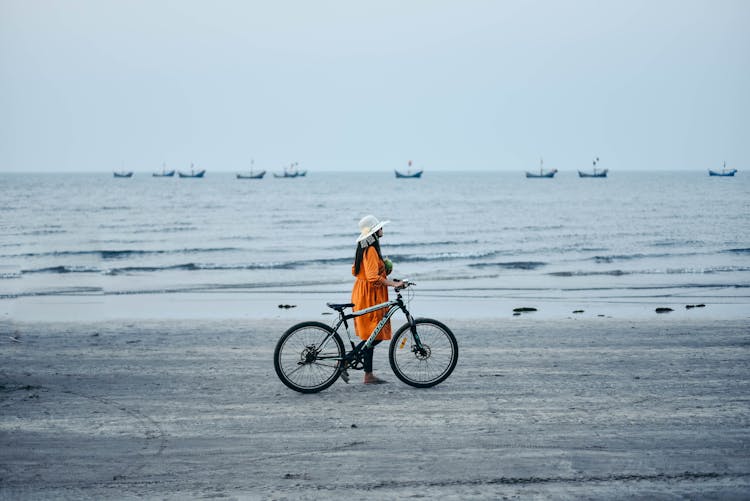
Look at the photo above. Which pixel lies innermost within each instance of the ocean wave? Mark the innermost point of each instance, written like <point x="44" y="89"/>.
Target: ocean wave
<point x="285" y="265"/>
<point x="628" y="257"/>
<point x="657" y="287"/>
<point x="177" y="289"/>
<point x="125" y="270"/>
<point x="189" y="266"/>
<point x="62" y="269"/>
<point x="141" y="228"/>
<point x="37" y="232"/>
<point x="168" y="230"/>
<point x="613" y="273"/>
<point x="432" y="243"/>
<point x="678" y="243"/>
<point x="64" y="291"/>
<point x="290" y="222"/>
<point x="543" y="227"/>
<point x="124" y="253"/>
<point x="115" y="207"/>
<point x="341" y="234"/>
<point x="150" y="269"/>
<point x="667" y="271"/>
<point x="442" y="256"/>
<point x="513" y="265"/>
<point x="658" y="255"/>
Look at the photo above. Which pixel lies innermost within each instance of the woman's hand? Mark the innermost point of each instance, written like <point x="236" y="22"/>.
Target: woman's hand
<point x="396" y="284"/>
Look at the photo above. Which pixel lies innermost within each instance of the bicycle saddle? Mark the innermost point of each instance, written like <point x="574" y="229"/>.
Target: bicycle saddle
<point x="340" y="307"/>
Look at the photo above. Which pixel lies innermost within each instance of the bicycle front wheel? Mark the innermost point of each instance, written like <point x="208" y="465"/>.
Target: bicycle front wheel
<point x="307" y="357"/>
<point x="426" y="363"/>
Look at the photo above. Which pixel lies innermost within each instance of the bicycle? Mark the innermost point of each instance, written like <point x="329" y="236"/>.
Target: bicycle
<point x="310" y="356"/>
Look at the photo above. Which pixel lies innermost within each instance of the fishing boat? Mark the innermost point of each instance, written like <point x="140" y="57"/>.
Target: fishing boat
<point x="252" y="175"/>
<point x="164" y="172"/>
<point x="542" y="172"/>
<point x="409" y="173"/>
<point x="291" y="171"/>
<point x="123" y="174"/>
<point x="193" y="173"/>
<point x="724" y="172"/>
<point x="601" y="173"/>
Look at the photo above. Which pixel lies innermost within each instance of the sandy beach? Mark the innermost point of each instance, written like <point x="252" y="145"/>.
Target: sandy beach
<point x="550" y="409"/>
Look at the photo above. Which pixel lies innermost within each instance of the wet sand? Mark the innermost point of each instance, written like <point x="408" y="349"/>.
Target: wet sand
<point x="585" y="408"/>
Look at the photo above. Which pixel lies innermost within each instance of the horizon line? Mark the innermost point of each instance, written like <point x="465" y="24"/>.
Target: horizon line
<point x="333" y="171"/>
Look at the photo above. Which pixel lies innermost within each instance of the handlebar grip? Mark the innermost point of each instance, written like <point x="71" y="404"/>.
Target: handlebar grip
<point x="406" y="284"/>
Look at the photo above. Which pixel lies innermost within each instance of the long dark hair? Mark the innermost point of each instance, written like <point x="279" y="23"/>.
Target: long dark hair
<point x="360" y="253"/>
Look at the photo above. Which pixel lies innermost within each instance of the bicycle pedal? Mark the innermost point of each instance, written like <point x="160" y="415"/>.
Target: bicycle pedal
<point x="345" y="376"/>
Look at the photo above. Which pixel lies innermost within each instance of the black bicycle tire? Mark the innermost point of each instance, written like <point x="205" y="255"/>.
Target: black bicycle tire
<point x="281" y="343"/>
<point x="443" y="375"/>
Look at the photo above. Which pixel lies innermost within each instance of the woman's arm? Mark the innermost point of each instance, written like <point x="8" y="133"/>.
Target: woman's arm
<point x="371" y="262"/>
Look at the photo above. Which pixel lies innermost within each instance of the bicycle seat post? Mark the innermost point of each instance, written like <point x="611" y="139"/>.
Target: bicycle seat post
<point x="342" y="318"/>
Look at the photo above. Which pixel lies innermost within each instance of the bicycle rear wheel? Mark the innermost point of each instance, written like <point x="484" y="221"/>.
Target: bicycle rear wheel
<point x="426" y="366"/>
<point x="307" y="357"/>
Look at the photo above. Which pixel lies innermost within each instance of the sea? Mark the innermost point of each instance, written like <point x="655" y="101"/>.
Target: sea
<point x="472" y="241"/>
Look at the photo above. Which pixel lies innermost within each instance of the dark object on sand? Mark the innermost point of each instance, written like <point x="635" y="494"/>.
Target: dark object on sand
<point x="287" y="306"/>
<point x="689" y="306"/>
<point x="523" y="310"/>
<point x="578" y="311"/>
<point x="663" y="310"/>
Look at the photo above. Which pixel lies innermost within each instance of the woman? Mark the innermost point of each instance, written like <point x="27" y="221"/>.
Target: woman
<point x="371" y="288"/>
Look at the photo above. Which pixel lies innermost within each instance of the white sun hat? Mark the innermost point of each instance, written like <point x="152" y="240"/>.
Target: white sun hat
<point x="369" y="225"/>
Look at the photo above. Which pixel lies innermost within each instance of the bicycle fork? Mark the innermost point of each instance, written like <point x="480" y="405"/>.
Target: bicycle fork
<point x="413" y="328"/>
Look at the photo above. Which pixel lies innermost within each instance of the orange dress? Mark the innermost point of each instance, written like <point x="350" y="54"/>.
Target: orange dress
<point x="370" y="290"/>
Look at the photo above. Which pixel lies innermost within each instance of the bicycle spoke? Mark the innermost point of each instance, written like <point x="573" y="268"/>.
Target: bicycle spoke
<point x="299" y="361"/>
<point x="427" y="364"/>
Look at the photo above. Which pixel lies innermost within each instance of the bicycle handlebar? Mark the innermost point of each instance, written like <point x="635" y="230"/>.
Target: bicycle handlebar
<point x="406" y="284"/>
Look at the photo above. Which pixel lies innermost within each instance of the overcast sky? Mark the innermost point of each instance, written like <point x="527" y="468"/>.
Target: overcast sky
<point x="99" y="85"/>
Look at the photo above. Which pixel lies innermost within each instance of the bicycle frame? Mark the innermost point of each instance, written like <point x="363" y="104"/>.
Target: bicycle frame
<point x="393" y="306"/>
